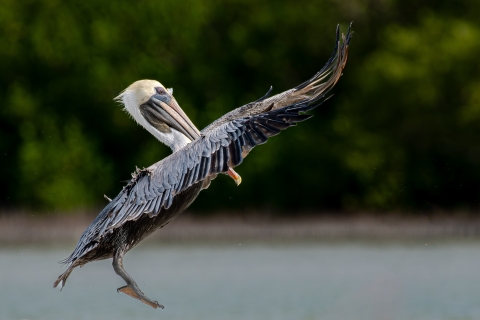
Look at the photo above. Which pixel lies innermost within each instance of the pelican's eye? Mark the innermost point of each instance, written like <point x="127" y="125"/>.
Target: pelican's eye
<point x="160" y="90"/>
<point x="162" y="95"/>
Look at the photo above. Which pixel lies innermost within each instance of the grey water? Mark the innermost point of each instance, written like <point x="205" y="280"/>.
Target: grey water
<point x="347" y="280"/>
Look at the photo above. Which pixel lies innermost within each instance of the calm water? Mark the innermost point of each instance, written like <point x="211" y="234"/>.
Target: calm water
<point x="252" y="281"/>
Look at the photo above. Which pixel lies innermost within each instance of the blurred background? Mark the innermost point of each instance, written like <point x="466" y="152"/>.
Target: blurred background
<point x="401" y="132"/>
<point x="387" y="166"/>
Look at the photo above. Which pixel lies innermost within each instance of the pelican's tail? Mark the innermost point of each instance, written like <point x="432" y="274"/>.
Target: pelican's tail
<point x="62" y="279"/>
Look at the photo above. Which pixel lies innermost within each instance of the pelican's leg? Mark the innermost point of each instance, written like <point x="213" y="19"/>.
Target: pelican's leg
<point x="235" y="176"/>
<point x="131" y="288"/>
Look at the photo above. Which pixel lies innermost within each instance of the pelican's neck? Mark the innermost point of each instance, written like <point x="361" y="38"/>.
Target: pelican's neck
<point x="173" y="139"/>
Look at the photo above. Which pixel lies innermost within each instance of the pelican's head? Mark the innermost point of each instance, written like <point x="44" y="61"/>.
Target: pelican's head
<point x="154" y="107"/>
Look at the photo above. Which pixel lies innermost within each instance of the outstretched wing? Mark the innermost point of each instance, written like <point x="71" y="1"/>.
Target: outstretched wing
<point x="222" y="145"/>
<point x="154" y="188"/>
<point x="316" y="86"/>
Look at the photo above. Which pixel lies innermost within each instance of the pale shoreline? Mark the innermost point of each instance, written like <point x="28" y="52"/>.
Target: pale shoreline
<point x="30" y="229"/>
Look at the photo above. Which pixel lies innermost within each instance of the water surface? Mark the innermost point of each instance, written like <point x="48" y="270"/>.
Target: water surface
<point x="252" y="281"/>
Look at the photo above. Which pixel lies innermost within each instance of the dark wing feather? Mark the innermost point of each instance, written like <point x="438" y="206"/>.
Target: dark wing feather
<point x="311" y="89"/>
<point x="213" y="153"/>
<point x="148" y="193"/>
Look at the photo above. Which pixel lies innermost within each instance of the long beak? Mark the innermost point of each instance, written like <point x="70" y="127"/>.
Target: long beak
<point x="174" y="116"/>
<point x="169" y="112"/>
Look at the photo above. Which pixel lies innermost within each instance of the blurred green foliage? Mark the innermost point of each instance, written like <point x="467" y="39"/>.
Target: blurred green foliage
<point x="401" y="132"/>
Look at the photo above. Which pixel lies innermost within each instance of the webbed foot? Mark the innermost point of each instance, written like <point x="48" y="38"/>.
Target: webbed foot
<point x="135" y="292"/>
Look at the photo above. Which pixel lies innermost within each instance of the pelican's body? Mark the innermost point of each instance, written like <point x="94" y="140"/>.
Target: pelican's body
<point x="159" y="193"/>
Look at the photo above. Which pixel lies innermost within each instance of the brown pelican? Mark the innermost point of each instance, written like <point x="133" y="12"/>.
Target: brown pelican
<point x="157" y="194"/>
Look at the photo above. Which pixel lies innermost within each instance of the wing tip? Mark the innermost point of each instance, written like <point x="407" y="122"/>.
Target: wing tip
<point x="346" y="41"/>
